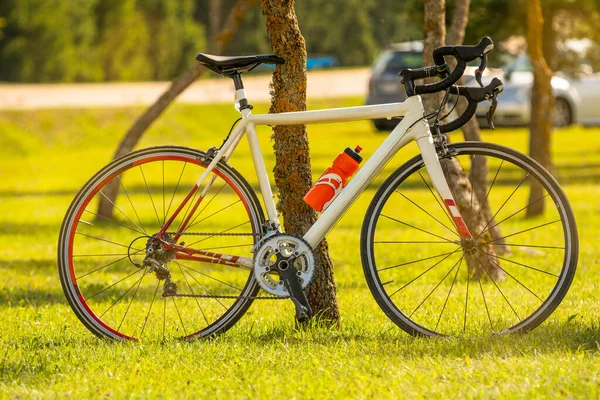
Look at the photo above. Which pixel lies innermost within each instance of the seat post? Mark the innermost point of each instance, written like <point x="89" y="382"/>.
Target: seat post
<point x="240" y="93"/>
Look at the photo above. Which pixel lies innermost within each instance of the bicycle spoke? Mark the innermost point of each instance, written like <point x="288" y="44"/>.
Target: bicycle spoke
<point x="499" y="290"/>
<point x="116" y="283"/>
<point x="115" y="222"/>
<point x="437" y="200"/>
<point x="466" y="302"/>
<point x="529" y="245"/>
<point x="213" y="214"/>
<point x="449" y="291"/>
<point x="503" y="204"/>
<point x="130" y="203"/>
<point x="104" y="240"/>
<point x="176" y="187"/>
<point x="205" y="289"/>
<point x="523" y="265"/>
<point x="208" y="276"/>
<point x="150" y="195"/>
<point x="102" y="267"/>
<point x="164" y="316"/>
<point x="123" y="295"/>
<point x="121" y="211"/>
<point x="99" y="255"/>
<point x="509" y="274"/>
<point x="424" y="272"/>
<point x="150" y="308"/>
<point x="426" y="212"/>
<point x="419" y="260"/>
<point x="411" y="242"/>
<point x="487" y="310"/>
<point x="131" y="301"/>
<point x="163" y="193"/>
<point x="178" y="313"/>
<point x="512" y="215"/>
<point x="488" y="192"/>
<point x="525" y="230"/>
<point x="436" y="286"/>
<point x="414" y="227"/>
<point x="192" y="291"/>
<point x="193" y="222"/>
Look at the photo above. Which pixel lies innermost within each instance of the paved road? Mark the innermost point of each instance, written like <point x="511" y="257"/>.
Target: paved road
<point x="327" y="83"/>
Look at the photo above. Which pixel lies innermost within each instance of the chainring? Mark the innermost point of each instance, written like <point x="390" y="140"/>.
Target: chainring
<point x="288" y="247"/>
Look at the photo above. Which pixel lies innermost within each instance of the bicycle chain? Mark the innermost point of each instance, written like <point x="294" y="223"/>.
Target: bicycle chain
<point x="206" y="296"/>
<point x="213" y="234"/>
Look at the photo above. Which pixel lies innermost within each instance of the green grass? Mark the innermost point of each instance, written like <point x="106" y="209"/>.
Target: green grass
<point x="46" y="156"/>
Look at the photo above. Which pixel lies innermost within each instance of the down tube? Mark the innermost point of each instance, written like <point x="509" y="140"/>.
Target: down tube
<point x="399" y="137"/>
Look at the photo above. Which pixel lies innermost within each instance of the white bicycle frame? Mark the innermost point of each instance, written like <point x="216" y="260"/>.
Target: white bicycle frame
<point x="412" y="127"/>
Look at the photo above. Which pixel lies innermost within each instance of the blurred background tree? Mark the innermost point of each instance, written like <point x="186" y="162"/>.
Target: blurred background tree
<point x="138" y="40"/>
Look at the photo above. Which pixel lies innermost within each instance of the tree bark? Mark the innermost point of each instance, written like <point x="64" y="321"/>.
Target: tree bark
<point x="292" y="170"/>
<point x="471" y="131"/>
<point x="214" y="24"/>
<point x="542" y="104"/>
<point x="135" y="132"/>
<point x="435" y="36"/>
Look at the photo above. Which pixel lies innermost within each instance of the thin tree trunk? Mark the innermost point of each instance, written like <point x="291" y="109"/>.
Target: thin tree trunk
<point x="292" y="170"/>
<point x="471" y="131"/>
<point x="135" y="132"/>
<point x="214" y="24"/>
<point x="435" y="35"/>
<point x="542" y="104"/>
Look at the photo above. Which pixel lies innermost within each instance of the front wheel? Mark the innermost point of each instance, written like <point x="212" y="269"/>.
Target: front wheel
<point x="430" y="282"/>
<point x="101" y="252"/>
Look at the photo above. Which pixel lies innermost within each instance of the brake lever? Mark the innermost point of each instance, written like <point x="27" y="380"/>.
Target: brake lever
<point x="479" y="71"/>
<point x="490" y="114"/>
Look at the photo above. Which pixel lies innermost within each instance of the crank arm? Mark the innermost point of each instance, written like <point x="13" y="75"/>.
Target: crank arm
<point x="294" y="288"/>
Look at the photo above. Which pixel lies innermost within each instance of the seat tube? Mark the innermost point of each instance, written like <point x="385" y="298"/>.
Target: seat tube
<point x="261" y="173"/>
<point x="434" y="169"/>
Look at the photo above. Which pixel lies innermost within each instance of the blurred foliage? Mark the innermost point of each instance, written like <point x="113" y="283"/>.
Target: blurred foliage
<point x="96" y="40"/>
<point x="124" y="40"/>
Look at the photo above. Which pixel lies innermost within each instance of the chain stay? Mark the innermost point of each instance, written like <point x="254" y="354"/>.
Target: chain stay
<point x="214" y="234"/>
<point x="207" y="296"/>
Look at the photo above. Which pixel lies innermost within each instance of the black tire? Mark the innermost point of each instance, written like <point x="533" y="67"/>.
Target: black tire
<point x="404" y="250"/>
<point x="95" y="252"/>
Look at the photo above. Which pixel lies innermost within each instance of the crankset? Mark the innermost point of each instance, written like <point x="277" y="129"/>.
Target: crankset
<point x="284" y="265"/>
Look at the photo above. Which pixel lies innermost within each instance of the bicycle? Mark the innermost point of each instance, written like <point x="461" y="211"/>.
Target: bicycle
<point x="179" y="206"/>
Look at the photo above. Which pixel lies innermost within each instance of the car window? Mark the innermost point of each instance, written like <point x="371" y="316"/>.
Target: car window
<point x="519" y="64"/>
<point x="393" y="61"/>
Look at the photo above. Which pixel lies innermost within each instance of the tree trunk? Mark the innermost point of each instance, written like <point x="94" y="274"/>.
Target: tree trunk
<point x="133" y="135"/>
<point x="292" y="170"/>
<point x="542" y="104"/>
<point x="471" y="131"/>
<point x="435" y="12"/>
<point x="214" y="24"/>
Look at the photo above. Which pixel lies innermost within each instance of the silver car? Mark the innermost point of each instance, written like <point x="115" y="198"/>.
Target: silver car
<point x="577" y="100"/>
<point x="514" y="103"/>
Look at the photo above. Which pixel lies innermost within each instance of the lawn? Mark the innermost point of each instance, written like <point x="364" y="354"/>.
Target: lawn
<point x="46" y="156"/>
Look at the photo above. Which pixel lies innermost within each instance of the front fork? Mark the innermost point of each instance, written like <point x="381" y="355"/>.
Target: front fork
<point x="434" y="169"/>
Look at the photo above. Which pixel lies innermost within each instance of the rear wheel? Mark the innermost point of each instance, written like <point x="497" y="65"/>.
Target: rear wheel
<point x="101" y="256"/>
<point x="414" y="260"/>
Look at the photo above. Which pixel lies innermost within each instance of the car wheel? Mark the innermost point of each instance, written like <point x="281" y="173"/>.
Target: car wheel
<point x="561" y="115"/>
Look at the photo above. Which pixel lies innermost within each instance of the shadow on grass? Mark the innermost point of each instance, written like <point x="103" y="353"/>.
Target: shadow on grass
<point x="570" y="336"/>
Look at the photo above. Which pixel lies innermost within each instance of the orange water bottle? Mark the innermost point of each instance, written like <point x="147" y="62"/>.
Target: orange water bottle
<point x="333" y="180"/>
